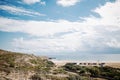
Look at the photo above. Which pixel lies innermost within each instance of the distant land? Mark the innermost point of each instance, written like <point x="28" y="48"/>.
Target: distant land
<point x="20" y="66"/>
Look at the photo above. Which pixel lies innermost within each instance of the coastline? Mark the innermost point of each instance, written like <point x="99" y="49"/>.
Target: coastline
<point x="115" y="64"/>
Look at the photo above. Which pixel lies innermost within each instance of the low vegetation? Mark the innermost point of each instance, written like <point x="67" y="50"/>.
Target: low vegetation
<point x="15" y="66"/>
<point x="12" y="62"/>
<point x="106" y="72"/>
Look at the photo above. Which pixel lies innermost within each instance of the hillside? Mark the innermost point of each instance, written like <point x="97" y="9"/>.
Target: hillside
<point x="19" y="66"/>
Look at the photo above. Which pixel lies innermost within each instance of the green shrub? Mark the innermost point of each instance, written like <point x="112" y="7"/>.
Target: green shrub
<point x="36" y="77"/>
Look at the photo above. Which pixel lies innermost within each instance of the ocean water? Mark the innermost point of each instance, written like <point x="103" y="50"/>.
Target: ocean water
<point x="86" y="57"/>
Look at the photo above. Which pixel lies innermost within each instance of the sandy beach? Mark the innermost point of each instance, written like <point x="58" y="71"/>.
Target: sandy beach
<point x="115" y="64"/>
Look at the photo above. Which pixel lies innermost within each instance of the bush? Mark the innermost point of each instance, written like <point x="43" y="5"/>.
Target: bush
<point x="35" y="77"/>
<point x="95" y="72"/>
<point x="104" y="72"/>
<point x="74" y="77"/>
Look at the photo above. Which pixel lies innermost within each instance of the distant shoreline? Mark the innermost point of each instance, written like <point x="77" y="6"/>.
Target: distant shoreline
<point x="115" y="64"/>
<point x="56" y="60"/>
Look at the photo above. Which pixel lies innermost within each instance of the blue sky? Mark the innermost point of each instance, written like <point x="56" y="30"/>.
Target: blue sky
<point x="60" y="26"/>
<point x="50" y="9"/>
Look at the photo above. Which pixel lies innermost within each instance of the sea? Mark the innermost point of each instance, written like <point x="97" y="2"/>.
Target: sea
<point x="85" y="57"/>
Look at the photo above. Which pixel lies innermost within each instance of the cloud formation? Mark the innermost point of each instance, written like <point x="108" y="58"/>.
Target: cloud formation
<point x="19" y="11"/>
<point x="64" y="36"/>
<point x="67" y="3"/>
<point x="33" y="1"/>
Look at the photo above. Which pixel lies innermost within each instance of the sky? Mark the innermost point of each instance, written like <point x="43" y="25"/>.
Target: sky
<point x="60" y="26"/>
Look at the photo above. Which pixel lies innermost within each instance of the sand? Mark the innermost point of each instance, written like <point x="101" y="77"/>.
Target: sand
<point x="113" y="64"/>
<point x="107" y="63"/>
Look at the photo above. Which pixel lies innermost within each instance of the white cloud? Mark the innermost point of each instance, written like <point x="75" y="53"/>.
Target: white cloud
<point x="43" y="3"/>
<point x="19" y="11"/>
<point x="109" y="13"/>
<point x="67" y="3"/>
<point x="45" y="45"/>
<point x="34" y="1"/>
<point x="31" y="1"/>
<point x="113" y="43"/>
<point x="62" y="35"/>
